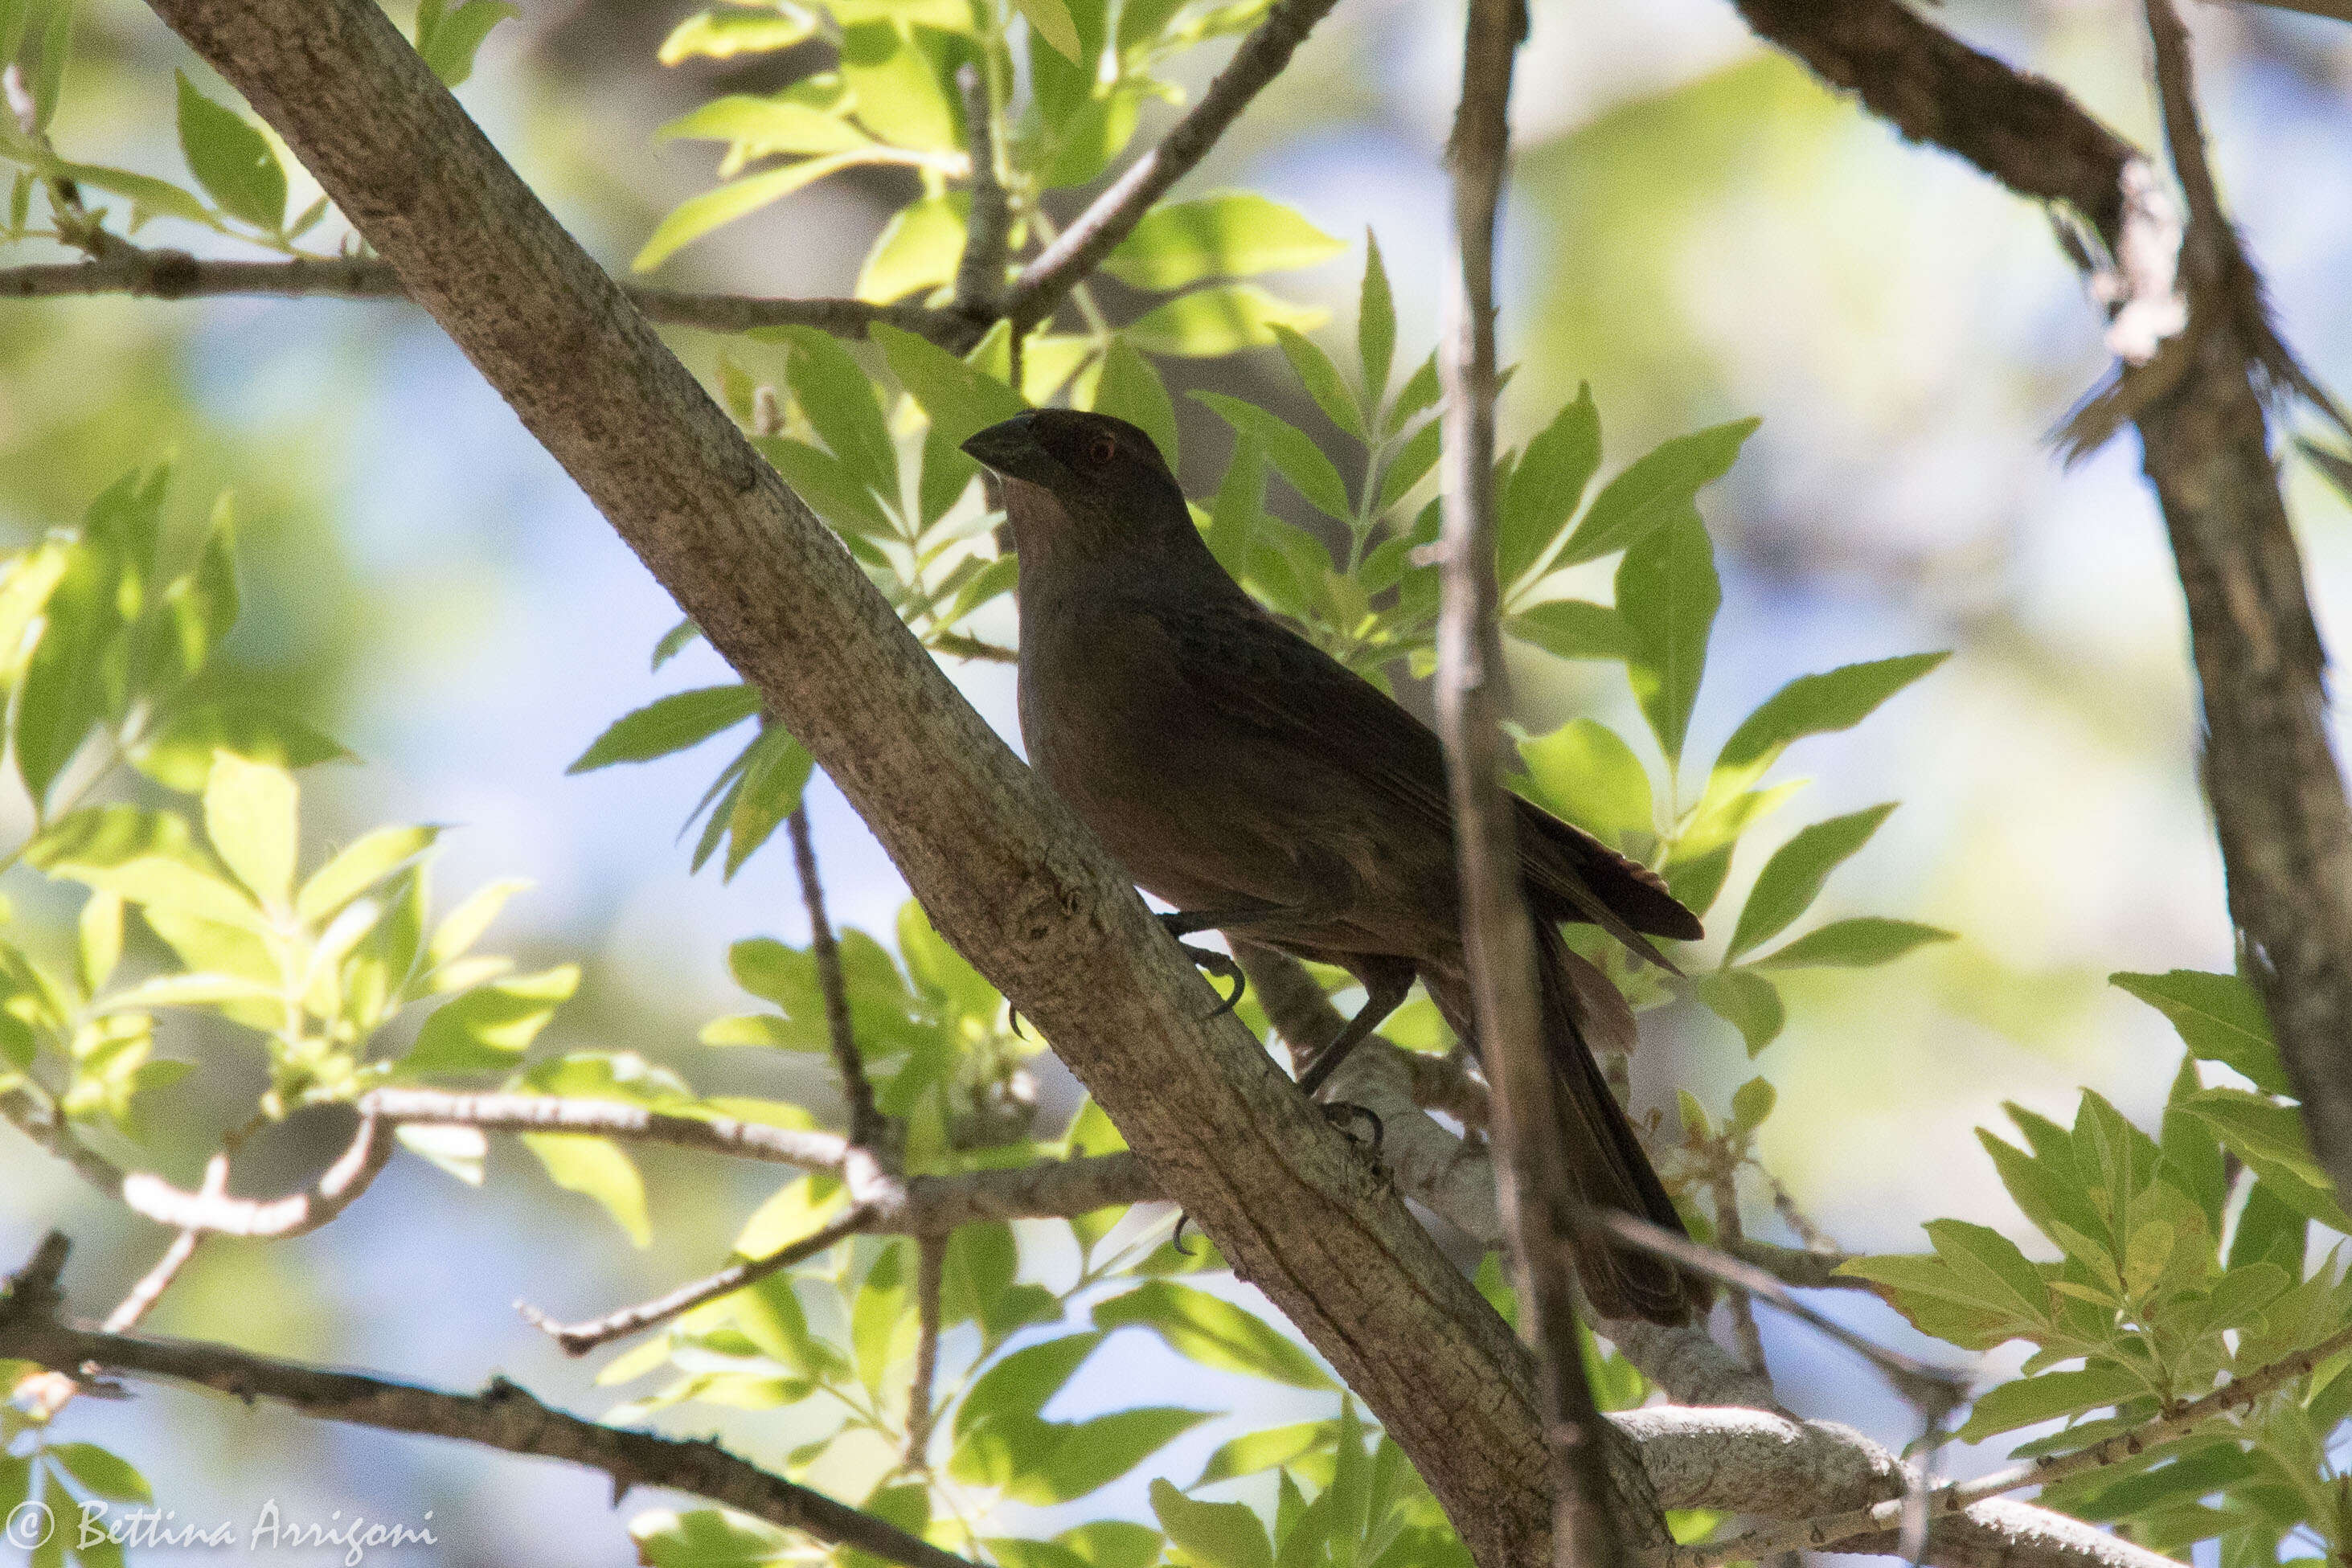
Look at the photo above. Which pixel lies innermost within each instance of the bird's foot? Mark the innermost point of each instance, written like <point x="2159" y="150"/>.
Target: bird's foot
<point x="1209" y="961"/>
<point x="1345" y="1117"/>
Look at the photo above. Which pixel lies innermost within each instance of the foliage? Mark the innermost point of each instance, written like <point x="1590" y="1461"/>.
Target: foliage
<point x="162" y="801"/>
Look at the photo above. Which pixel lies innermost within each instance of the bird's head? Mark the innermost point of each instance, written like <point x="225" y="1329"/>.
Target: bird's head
<point x="1081" y="480"/>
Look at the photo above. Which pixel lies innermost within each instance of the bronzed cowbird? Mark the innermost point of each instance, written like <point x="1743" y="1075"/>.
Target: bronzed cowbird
<point x="1265" y="790"/>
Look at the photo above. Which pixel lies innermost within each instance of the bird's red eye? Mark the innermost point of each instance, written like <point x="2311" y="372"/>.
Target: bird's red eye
<point x="1101" y="450"/>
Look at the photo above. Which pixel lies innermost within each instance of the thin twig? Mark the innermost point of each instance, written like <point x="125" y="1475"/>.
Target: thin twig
<point x="1048" y="278"/>
<point x="988" y="227"/>
<point x="213" y="1210"/>
<point x="1934" y="1390"/>
<point x="579" y="1339"/>
<point x="1725" y="1187"/>
<point x="1821" y="1534"/>
<point x="931" y="1266"/>
<point x="502" y="1417"/>
<point x="166" y="274"/>
<point x="866" y="1123"/>
<point x="1592" y="1526"/>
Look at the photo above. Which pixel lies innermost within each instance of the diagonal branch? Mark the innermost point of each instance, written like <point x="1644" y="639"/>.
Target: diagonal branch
<point x="2279" y="806"/>
<point x="1005" y="872"/>
<point x="1050" y="276"/>
<point x="502" y="1416"/>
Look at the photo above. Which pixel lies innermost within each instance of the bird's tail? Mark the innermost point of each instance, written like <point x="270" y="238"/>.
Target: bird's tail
<point x="1597" y="1143"/>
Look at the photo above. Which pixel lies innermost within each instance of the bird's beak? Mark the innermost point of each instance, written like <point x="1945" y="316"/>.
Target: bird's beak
<point x="1011" y="449"/>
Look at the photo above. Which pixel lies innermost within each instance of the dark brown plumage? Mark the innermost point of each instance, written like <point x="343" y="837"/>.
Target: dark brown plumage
<point x="1265" y="790"/>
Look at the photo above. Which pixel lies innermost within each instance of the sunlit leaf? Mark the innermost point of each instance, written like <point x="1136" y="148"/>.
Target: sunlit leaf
<point x="1212" y="1534"/>
<point x="1749" y="1002"/>
<point x="233" y="161"/>
<point x="917" y="251"/>
<point x="449" y="38"/>
<point x="1794" y="877"/>
<point x="1230" y="234"/>
<point x="1814" y="705"/>
<point x="1212" y="1331"/>
<point x="1546" y="488"/>
<point x="1295" y="457"/>
<point x="486" y="1029"/>
<point x="600" y="1169"/>
<point x="1856" y="944"/>
<point x="669" y="724"/>
<point x="249" y="817"/>
<point x="1221" y="318"/>
<point x="1654" y="490"/>
<point x="1584" y="771"/>
<point x="2219" y="1018"/>
<point x="1667" y="594"/>
<point x="1572" y="628"/>
<point x="1131" y="390"/>
<point x="698" y="215"/>
<point x="1375" y="323"/>
<point x="725" y="31"/>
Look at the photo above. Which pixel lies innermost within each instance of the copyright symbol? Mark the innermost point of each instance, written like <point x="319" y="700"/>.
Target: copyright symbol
<point x="29" y="1525"/>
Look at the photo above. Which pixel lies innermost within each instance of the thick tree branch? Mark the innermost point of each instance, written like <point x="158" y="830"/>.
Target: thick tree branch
<point x="2278" y="799"/>
<point x="175" y="275"/>
<point x="1003" y="868"/>
<point x="502" y="1416"/>
<point x="1050" y="276"/>
<point x="1746" y="1461"/>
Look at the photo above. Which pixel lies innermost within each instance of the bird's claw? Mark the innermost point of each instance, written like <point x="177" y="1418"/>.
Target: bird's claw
<point x="1343" y="1115"/>
<point x="1209" y="961"/>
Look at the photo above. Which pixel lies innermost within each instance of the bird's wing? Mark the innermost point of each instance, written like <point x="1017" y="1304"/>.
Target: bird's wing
<point x="1258" y="671"/>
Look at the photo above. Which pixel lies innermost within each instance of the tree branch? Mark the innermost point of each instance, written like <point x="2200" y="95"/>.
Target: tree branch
<point x="579" y="1339"/>
<point x="2279" y="806"/>
<point x="502" y="1416"/>
<point x="1597" y="1516"/>
<point x="1005" y="872"/>
<point x="988" y="227"/>
<point x="175" y="275"/>
<point x="866" y="1126"/>
<point x="1050" y="276"/>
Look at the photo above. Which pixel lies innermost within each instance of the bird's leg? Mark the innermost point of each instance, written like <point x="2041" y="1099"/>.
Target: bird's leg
<point x="1182" y="924"/>
<point x="1385" y="985"/>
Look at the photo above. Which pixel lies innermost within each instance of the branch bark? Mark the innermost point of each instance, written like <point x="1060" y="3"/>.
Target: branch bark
<point x="1006" y="874"/>
<point x="503" y="1415"/>
<point x="166" y="274"/>
<point x="2279" y="806"/>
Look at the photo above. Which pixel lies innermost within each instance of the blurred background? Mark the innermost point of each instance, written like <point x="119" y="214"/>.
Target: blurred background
<point x="1694" y="228"/>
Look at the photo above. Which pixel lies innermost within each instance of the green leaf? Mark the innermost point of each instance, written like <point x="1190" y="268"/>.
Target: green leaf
<point x="707" y="1538"/>
<point x="1573" y="629"/>
<point x="455" y="36"/>
<point x="1814" y="705"/>
<point x="1020" y="1384"/>
<point x="1130" y="389"/>
<point x="764" y="127"/>
<point x="828" y="485"/>
<point x="1667" y="595"/>
<point x="1096" y="1452"/>
<point x="1411" y="466"/>
<point x="1654" y="490"/>
<point x="1221" y="318"/>
<point x="147" y="194"/>
<point x="1989" y="1270"/>
<point x="359" y="867"/>
<point x="1213" y="1331"/>
<point x="1751" y="1104"/>
<point x="1212" y="1534"/>
<point x="1375" y="324"/>
<point x="1298" y="458"/>
<point x="2219" y="1019"/>
<point x="180" y="754"/>
<point x="1254" y="1452"/>
<point x="725" y="31"/>
<point x="2030" y="1401"/>
<point x="898" y="75"/>
<point x="233" y="161"/>
<point x="1748" y="1002"/>
<point x="1230" y="234"/>
<point x="250" y="816"/>
<point x="960" y="398"/>
<point x="1052" y="19"/>
<point x="1856" y="944"/>
<point x="770" y="791"/>
<point x="99" y="1471"/>
<point x="834" y="392"/>
<point x="597" y="1168"/>
<point x="1239" y="506"/>
<point x="668" y="725"/>
<point x="1321" y="378"/>
<point x="1546" y="488"/>
<point x="1794" y="877"/>
<point x="2270" y="1137"/>
<point x="1586" y="773"/>
<point x="917" y="251"/>
<point x="489" y="1026"/>
<point x="882" y="1328"/>
<point x="698" y="215"/>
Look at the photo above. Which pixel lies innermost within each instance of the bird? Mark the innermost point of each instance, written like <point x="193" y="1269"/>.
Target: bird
<point x="1264" y="789"/>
